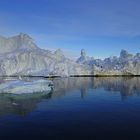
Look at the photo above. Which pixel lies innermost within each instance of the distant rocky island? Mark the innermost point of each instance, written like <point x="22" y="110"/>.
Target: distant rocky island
<point x="20" y="56"/>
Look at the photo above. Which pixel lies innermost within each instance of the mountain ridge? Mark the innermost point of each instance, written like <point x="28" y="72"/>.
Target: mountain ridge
<point x="19" y="55"/>
<point x="23" y="57"/>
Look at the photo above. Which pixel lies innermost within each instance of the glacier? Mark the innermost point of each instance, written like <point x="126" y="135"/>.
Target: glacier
<point x="20" y="56"/>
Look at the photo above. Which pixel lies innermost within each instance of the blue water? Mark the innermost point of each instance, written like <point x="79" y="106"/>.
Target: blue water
<point x="78" y="108"/>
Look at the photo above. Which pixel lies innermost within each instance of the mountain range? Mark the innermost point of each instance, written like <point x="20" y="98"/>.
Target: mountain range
<point x="20" y="56"/>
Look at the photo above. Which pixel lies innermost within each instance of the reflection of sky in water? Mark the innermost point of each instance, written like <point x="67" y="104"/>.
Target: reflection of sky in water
<point x="96" y="107"/>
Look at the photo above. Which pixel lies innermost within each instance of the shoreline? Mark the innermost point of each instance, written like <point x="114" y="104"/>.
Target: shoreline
<point x="55" y="76"/>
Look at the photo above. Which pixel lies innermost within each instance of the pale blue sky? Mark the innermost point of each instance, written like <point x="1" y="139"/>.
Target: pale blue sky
<point x="102" y="27"/>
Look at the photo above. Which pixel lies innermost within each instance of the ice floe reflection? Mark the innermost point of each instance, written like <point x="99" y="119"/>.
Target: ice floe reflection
<point x="23" y="104"/>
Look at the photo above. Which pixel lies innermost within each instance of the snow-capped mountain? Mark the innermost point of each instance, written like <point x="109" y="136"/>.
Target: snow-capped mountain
<point x="17" y="42"/>
<point x="19" y="55"/>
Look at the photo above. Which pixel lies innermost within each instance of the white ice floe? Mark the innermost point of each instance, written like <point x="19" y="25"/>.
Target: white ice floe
<point x="25" y="87"/>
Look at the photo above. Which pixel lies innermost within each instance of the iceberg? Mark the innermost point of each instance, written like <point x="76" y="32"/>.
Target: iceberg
<point x="25" y="87"/>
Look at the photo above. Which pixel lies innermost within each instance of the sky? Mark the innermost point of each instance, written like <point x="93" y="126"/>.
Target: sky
<point x="101" y="27"/>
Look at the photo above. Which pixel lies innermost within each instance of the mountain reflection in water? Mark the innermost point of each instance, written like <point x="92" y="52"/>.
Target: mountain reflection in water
<point x="77" y="108"/>
<point x="125" y="86"/>
<point x="24" y="104"/>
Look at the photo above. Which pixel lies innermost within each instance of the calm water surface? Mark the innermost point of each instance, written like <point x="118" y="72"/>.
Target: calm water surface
<point x="78" y="108"/>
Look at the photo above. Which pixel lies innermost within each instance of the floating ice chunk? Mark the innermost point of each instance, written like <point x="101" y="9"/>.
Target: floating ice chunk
<point x="22" y="87"/>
